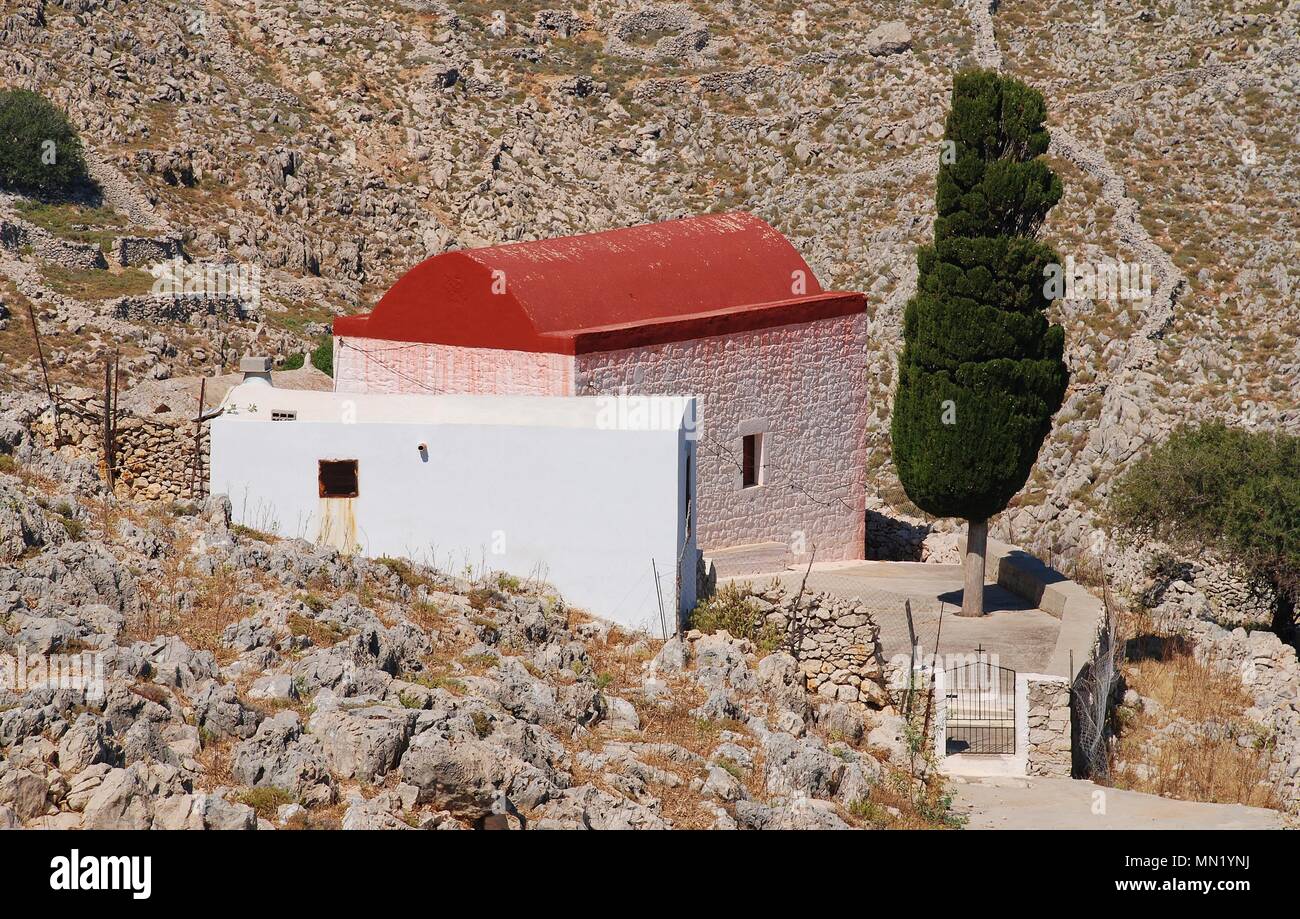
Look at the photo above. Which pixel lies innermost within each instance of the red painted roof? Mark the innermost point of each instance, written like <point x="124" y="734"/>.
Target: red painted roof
<point x="648" y="284"/>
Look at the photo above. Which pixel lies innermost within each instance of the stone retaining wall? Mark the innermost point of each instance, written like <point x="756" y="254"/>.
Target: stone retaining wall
<point x="135" y="251"/>
<point x="17" y="234"/>
<point x="184" y="309"/>
<point x="1154" y="573"/>
<point x="155" y="456"/>
<point x="836" y="643"/>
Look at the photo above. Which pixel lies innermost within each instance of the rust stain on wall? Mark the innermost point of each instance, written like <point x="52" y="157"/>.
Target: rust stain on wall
<point x="338" y="524"/>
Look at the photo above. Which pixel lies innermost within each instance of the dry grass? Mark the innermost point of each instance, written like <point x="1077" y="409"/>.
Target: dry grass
<point x="215" y="758"/>
<point x="213" y="604"/>
<point x="266" y="800"/>
<point x="318" y="818"/>
<point x="1226" y="763"/>
<point x="321" y="634"/>
<point x="900" y="801"/>
<point x="95" y="283"/>
<point x="728" y="609"/>
<point x="97" y="225"/>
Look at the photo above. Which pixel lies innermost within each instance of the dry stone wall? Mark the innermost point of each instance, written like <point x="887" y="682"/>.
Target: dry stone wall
<point x="154" y="455"/>
<point x="1220" y="592"/>
<point x="184" y="309"/>
<point x="137" y="251"/>
<point x="19" y="234"/>
<point x="836" y="643"/>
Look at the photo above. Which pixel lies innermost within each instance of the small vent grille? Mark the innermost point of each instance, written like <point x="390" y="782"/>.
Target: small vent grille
<point x="283" y="416"/>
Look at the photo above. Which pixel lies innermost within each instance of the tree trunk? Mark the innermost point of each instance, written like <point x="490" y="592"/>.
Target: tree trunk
<point x="972" y="595"/>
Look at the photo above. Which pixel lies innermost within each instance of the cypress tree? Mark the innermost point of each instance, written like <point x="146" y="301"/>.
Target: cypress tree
<point x="981" y="374"/>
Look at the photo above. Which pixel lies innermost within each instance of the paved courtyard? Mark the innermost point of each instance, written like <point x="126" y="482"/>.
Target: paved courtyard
<point x="1013" y="633"/>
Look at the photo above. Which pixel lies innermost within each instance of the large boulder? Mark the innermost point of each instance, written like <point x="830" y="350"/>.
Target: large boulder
<point x="23" y="525"/>
<point x="218" y="711"/>
<point x="467" y="776"/>
<point x="796" y="766"/>
<point x="121" y="802"/>
<point x="889" y="38"/>
<point x="795" y="814"/>
<point x="588" y="808"/>
<point x="220" y="814"/>
<point x="26" y="792"/>
<point x="279" y="755"/>
<point x="87" y="742"/>
<point x="363" y="743"/>
<point x="179" y="812"/>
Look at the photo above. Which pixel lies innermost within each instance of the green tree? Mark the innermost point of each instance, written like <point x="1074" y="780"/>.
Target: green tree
<point x="40" y="152"/>
<point x="981" y="373"/>
<point x="1211" y="486"/>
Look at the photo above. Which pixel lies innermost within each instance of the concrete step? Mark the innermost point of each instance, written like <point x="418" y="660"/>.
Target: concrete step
<point x="755" y="558"/>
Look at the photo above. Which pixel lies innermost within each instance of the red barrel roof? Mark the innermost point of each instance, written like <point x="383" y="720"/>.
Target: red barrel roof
<point x="648" y="284"/>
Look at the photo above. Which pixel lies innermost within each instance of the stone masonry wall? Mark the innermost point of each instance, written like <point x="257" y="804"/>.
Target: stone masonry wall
<point x="836" y="643"/>
<point x="155" y="456"/>
<point x="1154" y="573"/>
<point x="1049" y="726"/>
<point x="184" y="309"/>
<point x="804" y="387"/>
<point x="137" y="251"/>
<point x="17" y="234"/>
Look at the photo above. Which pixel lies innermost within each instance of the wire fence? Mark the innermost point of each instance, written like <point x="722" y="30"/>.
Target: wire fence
<point x="1093" y="698"/>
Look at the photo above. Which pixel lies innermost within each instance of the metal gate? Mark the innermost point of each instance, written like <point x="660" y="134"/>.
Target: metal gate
<point x="981" y="703"/>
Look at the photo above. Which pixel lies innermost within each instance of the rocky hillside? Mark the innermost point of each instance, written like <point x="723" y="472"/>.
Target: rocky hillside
<point x="253" y="681"/>
<point x="247" y="681"/>
<point x="334" y="145"/>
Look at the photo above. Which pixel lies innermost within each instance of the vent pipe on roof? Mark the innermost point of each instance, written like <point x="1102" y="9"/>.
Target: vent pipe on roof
<point x="256" y="368"/>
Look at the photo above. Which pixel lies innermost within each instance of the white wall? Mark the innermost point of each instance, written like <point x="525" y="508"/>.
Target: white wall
<point x="592" y="506"/>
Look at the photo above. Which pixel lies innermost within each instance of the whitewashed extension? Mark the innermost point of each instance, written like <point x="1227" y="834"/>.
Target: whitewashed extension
<point x="573" y="488"/>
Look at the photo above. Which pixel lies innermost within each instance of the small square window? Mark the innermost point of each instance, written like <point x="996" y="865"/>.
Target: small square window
<point x="751" y="473"/>
<point x="338" y="478"/>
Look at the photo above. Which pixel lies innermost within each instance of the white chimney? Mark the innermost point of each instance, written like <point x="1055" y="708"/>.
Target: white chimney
<point x="256" y="368"/>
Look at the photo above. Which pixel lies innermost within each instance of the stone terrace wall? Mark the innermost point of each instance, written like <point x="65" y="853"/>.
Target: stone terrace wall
<point x="155" y="456"/>
<point x="17" y="234"/>
<point x="185" y="309"/>
<point x="137" y="251"/>
<point x="836" y="643"/>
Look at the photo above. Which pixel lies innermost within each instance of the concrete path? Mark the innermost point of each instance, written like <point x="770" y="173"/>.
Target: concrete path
<point x="1013" y="633"/>
<point x="1069" y="804"/>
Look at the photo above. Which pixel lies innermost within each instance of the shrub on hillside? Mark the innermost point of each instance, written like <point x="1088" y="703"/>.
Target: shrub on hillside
<point x="322" y="357"/>
<point x="40" y="152"/>
<point x="1212" y="486"/>
<point x="729" y="609"/>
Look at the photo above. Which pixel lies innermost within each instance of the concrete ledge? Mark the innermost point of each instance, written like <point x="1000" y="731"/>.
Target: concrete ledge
<point x="1080" y="612"/>
<point x="755" y="558"/>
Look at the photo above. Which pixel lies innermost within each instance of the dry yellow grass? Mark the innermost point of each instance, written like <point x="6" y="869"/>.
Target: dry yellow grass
<point x="200" y="626"/>
<point x="1226" y="762"/>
